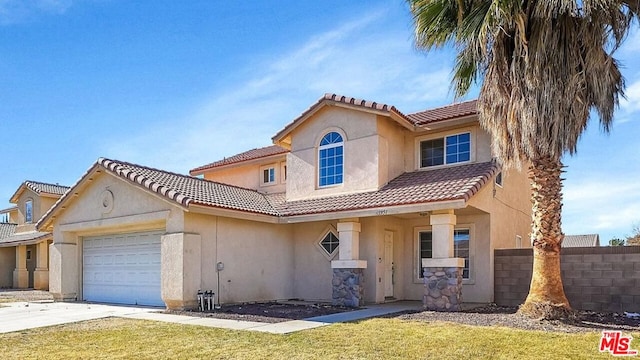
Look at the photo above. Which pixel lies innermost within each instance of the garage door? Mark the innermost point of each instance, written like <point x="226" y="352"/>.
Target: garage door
<point x="123" y="269"/>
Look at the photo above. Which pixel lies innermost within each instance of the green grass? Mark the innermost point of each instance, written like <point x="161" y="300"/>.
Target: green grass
<point x="371" y="339"/>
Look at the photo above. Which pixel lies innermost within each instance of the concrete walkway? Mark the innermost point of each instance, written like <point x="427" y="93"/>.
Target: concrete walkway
<point x="17" y="316"/>
<point x="22" y="315"/>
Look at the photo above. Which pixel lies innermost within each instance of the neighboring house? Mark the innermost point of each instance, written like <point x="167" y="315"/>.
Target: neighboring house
<point x="355" y="202"/>
<point x="589" y="240"/>
<point x="24" y="251"/>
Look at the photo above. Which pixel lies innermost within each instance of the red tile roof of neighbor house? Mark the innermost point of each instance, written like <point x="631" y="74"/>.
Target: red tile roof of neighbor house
<point x="588" y="240"/>
<point x="242" y="157"/>
<point x="39" y="188"/>
<point x="418" y="119"/>
<point x="452" y="183"/>
<point x="8" y="236"/>
<point x="7" y="229"/>
<point x="25" y="238"/>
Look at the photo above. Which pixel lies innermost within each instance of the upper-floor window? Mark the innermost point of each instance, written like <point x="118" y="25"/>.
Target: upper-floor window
<point x="331" y="160"/>
<point x="446" y="150"/>
<point x="499" y="179"/>
<point x="268" y="176"/>
<point x="28" y="211"/>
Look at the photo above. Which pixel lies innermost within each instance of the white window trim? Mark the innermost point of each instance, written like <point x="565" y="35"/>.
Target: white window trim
<point x="472" y="252"/>
<point x="344" y="157"/>
<point x="417" y="262"/>
<point x="275" y="175"/>
<point x="442" y="135"/>
<point x="324" y="233"/>
<point x="495" y="180"/>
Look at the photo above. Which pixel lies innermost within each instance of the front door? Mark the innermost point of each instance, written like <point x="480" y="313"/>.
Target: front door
<point x="388" y="264"/>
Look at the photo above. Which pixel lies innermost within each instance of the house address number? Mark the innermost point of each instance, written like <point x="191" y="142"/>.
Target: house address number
<point x="382" y="212"/>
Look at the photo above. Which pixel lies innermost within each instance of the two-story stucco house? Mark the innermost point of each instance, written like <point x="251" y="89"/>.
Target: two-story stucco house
<point x="24" y="252"/>
<point x="355" y="202"/>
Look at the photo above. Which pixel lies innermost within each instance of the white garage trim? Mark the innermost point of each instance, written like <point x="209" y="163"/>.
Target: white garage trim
<point x="122" y="268"/>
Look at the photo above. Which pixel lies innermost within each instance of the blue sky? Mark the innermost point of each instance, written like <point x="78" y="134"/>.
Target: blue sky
<point x="177" y="84"/>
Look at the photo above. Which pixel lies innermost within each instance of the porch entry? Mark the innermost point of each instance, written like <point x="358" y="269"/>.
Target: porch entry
<point x="388" y="264"/>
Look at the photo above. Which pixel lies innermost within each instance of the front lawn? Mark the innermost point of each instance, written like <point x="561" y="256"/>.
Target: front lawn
<point x="370" y="339"/>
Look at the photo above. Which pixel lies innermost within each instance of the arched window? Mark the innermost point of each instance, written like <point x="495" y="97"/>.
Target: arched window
<point x="28" y="211"/>
<point x="330" y="157"/>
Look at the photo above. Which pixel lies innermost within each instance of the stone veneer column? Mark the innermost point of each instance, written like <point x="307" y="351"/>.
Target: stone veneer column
<point x="443" y="272"/>
<point x="181" y="272"/>
<point x="21" y="274"/>
<point x="348" y="270"/>
<point x="41" y="275"/>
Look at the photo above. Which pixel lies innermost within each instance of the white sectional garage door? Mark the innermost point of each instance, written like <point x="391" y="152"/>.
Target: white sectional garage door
<point x="123" y="269"/>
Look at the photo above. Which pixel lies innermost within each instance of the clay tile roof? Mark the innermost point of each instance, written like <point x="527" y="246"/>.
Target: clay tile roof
<point x="444" y="113"/>
<point x="245" y="156"/>
<point x="7" y="229"/>
<point x="39" y="187"/>
<point x="581" y="240"/>
<point x="187" y="190"/>
<point x="335" y="98"/>
<point x="25" y="238"/>
<point x="452" y="183"/>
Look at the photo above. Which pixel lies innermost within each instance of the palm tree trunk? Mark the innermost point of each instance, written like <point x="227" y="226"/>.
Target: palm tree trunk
<point x="546" y="297"/>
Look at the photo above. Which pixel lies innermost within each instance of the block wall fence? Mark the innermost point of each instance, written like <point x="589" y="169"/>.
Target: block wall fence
<point x="594" y="278"/>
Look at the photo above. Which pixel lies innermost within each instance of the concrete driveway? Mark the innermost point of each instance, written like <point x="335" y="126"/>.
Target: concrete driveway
<point x="18" y="316"/>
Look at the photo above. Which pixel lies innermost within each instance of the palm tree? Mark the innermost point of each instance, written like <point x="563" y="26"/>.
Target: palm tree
<point x="544" y="66"/>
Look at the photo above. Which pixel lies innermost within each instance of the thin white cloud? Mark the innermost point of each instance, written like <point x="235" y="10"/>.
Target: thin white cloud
<point x="359" y="58"/>
<point x="608" y="206"/>
<point x="17" y="11"/>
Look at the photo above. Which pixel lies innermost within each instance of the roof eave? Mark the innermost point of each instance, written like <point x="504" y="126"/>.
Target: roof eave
<point x="278" y="139"/>
<point x="44" y="224"/>
<point x="27" y="241"/>
<point x="377" y="211"/>
<point x="14" y="198"/>
<point x="439" y="124"/>
<point x="233" y="213"/>
<point x="195" y="172"/>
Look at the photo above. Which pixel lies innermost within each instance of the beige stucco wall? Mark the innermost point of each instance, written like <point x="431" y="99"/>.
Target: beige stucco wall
<point x="361" y="159"/>
<point x="258" y="258"/>
<point x="313" y="274"/>
<point x="391" y="149"/>
<point x="41" y="205"/>
<point x="27" y="195"/>
<point x="249" y="175"/>
<point x="510" y="207"/>
<point x="7" y="265"/>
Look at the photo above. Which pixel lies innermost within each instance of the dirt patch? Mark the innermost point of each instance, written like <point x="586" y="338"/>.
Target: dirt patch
<point x="12" y="295"/>
<point x="488" y="315"/>
<point x="492" y="315"/>
<point x="273" y="312"/>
